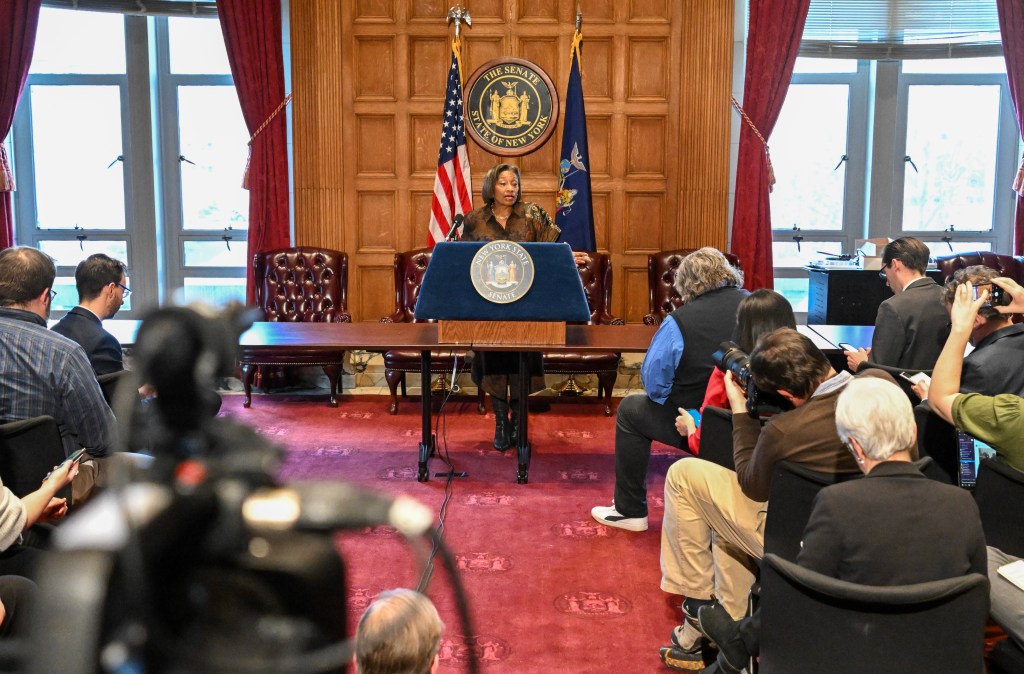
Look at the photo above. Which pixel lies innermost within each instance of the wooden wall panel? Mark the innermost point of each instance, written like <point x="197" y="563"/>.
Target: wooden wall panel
<point x="368" y="83"/>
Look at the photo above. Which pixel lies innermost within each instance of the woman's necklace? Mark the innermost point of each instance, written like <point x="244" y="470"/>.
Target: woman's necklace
<point x="502" y="219"/>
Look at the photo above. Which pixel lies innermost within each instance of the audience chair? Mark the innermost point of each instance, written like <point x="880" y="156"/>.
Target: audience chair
<point x="109" y="382"/>
<point x="999" y="494"/>
<point x="716" y="437"/>
<point x="790" y="501"/>
<point x="662" y="297"/>
<point x="937" y="438"/>
<point x="410" y="267"/>
<point x="815" y="623"/>
<point x="300" y="285"/>
<point x="596" y="276"/>
<point x="905" y="385"/>
<point x="29" y="449"/>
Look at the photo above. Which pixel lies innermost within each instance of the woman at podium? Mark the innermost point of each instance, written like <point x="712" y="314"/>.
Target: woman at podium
<point x="504" y="216"/>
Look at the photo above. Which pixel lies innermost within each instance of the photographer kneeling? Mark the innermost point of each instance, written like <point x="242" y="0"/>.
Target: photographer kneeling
<point x="714" y="517"/>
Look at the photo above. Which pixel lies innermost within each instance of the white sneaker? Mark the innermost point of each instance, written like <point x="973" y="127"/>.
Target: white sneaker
<point x="609" y="516"/>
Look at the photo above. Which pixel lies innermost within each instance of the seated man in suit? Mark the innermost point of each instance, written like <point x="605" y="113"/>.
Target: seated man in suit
<point x="42" y="372"/>
<point x="714" y="517"/>
<point x="399" y="632"/>
<point x="911" y="325"/>
<point x="100" y="281"/>
<point x="675" y="374"/>
<point x="894" y="527"/>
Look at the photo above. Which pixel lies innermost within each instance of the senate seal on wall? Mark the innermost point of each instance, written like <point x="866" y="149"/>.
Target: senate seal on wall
<point x="511" y="106"/>
<point x="502" y="271"/>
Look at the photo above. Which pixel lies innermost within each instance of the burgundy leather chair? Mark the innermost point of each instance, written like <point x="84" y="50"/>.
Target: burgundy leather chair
<point x="409" y="269"/>
<point x="300" y="285"/>
<point x="661" y="273"/>
<point x="1006" y="265"/>
<point x="597" y="284"/>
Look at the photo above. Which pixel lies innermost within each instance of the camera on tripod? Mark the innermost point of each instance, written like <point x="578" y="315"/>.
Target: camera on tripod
<point x="760" y="403"/>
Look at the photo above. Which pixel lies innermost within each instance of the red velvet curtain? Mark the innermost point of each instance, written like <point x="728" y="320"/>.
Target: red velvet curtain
<point x="252" y="33"/>
<point x="773" y="41"/>
<point x="1011" y="27"/>
<point x="18" y="22"/>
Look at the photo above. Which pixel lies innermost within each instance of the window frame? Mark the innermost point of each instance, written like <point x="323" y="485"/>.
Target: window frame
<point x="154" y="231"/>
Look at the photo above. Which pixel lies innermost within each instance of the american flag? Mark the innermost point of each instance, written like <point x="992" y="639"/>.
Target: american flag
<point x="453" y="185"/>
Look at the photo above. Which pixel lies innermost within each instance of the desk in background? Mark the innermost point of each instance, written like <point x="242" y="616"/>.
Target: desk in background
<point x="838" y="296"/>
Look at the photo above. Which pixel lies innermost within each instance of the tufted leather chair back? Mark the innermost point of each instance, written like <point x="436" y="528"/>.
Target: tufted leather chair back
<point x="410" y="267"/>
<point x="302" y="285"/>
<point x="596" y="276"/>
<point x="1006" y="265"/>
<point x="661" y="273"/>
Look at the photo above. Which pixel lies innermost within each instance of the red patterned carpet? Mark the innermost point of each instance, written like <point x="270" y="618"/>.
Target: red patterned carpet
<point x="550" y="590"/>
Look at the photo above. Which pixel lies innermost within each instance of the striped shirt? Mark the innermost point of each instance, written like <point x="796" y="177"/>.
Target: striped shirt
<point x="42" y="372"/>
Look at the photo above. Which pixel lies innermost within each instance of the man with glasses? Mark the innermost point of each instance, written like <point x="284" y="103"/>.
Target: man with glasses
<point x="100" y="281"/>
<point x="912" y="325"/>
<point x="42" y="372"/>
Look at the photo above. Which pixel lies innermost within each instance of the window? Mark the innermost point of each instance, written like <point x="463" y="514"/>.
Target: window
<point x="149" y="166"/>
<point x="923" y="148"/>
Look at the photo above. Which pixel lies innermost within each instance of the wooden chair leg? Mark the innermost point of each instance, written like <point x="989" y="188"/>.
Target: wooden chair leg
<point x="248" y="373"/>
<point x="393" y="378"/>
<point x="606" y="382"/>
<point x="333" y="373"/>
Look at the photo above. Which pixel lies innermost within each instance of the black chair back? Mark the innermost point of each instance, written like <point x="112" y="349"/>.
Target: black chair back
<point x="815" y="623"/>
<point x="716" y="437"/>
<point x="896" y="372"/>
<point x="29" y="449"/>
<point x="936" y="438"/>
<point x="999" y="494"/>
<point x="108" y="384"/>
<point x="790" y="500"/>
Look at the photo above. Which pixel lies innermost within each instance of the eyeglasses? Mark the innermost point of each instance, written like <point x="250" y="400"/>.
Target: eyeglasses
<point x="53" y="293"/>
<point x="126" y="289"/>
<point x="881" y="272"/>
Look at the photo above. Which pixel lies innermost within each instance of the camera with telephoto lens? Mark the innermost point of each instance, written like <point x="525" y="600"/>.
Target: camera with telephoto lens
<point x="760" y="403"/>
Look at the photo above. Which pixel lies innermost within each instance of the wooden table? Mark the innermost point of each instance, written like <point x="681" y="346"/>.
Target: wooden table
<point x="380" y="337"/>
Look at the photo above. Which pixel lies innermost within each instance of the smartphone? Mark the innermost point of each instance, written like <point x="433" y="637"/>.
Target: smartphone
<point x="997" y="297"/>
<point x="75" y="456"/>
<point x="847" y="347"/>
<point x="916" y="378"/>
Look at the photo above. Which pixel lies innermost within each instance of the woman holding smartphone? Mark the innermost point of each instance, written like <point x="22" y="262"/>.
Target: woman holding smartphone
<point x="18" y="560"/>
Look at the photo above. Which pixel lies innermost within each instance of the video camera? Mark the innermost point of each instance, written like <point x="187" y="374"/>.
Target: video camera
<point x="208" y="564"/>
<point x="760" y="403"/>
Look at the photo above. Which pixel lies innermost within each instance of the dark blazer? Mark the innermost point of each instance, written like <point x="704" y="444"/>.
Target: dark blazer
<point x="911" y="327"/>
<point x="894" y="527"/>
<point x="102" y="348"/>
<point x="994" y="365"/>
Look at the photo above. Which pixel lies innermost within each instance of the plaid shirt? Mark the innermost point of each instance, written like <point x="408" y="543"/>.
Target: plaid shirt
<point x="42" y="372"/>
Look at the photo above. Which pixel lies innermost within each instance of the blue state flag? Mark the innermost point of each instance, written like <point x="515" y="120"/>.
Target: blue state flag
<point x="574" y="209"/>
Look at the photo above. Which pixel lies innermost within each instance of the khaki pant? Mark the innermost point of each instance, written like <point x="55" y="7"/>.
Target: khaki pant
<point x="97" y="473"/>
<point x="711" y="535"/>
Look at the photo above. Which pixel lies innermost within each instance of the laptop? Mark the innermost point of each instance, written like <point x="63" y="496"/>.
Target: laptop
<point x="970" y="452"/>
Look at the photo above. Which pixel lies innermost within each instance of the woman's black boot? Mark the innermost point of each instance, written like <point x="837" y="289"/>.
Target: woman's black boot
<point x="500" y="407"/>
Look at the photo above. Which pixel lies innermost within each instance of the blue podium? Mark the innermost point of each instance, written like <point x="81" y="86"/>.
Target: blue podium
<point x="502" y="296"/>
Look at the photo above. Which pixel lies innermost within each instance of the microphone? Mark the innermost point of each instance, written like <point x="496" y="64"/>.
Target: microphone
<point x="457" y="223"/>
<point x="325" y="506"/>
